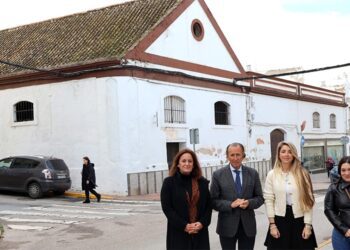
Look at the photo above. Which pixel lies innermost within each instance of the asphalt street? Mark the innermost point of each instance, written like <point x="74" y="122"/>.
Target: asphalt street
<point x="65" y="223"/>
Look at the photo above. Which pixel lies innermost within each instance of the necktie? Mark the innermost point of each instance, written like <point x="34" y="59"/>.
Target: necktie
<point x="238" y="183"/>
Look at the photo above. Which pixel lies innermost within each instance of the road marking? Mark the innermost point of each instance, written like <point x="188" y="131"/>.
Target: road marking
<point x="71" y="216"/>
<point x="325" y="243"/>
<point x="62" y="210"/>
<point x="93" y="208"/>
<point x="28" y="228"/>
<point x="64" y="222"/>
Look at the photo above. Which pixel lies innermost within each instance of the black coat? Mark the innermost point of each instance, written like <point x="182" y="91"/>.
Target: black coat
<point x="88" y="174"/>
<point x="175" y="207"/>
<point x="337" y="206"/>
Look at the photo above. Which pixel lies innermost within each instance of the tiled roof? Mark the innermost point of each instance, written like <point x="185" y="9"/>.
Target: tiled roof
<point x="96" y="35"/>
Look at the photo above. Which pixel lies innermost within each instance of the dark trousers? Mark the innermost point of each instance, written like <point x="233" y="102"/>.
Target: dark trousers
<point x="87" y="195"/>
<point x="244" y="242"/>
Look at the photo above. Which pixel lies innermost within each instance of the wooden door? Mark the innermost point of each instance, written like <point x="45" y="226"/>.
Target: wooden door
<point x="171" y="150"/>
<point x="276" y="136"/>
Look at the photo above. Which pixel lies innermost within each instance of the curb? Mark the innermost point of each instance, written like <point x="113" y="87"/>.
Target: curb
<point x="82" y="195"/>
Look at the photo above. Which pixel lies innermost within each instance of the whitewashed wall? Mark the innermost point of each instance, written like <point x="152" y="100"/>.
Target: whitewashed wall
<point x="269" y="113"/>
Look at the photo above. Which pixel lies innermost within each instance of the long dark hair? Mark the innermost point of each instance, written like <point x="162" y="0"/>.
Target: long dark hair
<point x="196" y="171"/>
<point x="345" y="159"/>
<point x="87" y="159"/>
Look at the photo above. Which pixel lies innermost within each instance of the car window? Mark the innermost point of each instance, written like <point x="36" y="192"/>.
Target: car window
<point x="25" y="163"/>
<point x="6" y="163"/>
<point x="57" y="164"/>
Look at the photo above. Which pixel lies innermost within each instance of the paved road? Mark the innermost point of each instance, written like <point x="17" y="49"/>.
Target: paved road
<point x="63" y="223"/>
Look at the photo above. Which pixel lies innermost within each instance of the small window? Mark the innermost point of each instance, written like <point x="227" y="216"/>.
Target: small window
<point x="6" y="163"/>
<point x="174" y="110"/>
<point x="25" y="163"/>
<point x="197" y="30"/>
<point x="332" y="121"/>
<point x="222" y="113"/>
<point x="24" y="111"/>
<point x="316" y="120"/>
<point x="57" y="164"/>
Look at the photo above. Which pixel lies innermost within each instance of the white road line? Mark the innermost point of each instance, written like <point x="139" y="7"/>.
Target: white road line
<point x="71" y="216"/>
<point x="74" y="211"/>
<point x="27" y="228"/>
<point x="21" y="220"/>
<point x="92" y="208"/>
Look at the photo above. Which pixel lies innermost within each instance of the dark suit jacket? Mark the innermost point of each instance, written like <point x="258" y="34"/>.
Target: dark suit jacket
<point x="223" y="193"/>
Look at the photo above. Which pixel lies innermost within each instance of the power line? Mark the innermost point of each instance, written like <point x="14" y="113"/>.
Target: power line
<point x="16" y="65"/>
<point x="293" y="73"/>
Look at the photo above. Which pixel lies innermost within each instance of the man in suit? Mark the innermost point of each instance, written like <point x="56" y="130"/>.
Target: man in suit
<point x="236" y="191"/>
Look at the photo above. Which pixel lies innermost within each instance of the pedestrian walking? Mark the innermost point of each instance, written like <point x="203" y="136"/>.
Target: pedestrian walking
<point x="329" y="164"/>
<point x="88" y="180"/>
<point x="289" y="202"/>
<point x="2" y="231"/>
<point x="337" y="206"/>
<point x="186" y="203"/>
<point x="236" y="191"/>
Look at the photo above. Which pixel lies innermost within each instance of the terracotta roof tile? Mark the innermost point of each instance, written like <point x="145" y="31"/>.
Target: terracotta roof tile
<point x="97" y="35"/>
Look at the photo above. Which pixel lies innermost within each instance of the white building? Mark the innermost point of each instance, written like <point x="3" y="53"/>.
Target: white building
<point x="124" y="84"/>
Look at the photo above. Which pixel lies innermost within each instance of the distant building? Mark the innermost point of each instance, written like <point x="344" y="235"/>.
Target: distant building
<point x="125" y="83"/>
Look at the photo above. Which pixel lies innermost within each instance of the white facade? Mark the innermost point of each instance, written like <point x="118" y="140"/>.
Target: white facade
<point x="119" y="122"/>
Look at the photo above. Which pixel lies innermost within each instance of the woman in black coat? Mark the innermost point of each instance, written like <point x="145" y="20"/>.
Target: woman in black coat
<point x="88" y="180"/>
<point x="186" y="203"/>
<point x="337" y="206"/>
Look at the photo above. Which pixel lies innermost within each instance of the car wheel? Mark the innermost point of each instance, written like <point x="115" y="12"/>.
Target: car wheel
<point x="34" y="190"/>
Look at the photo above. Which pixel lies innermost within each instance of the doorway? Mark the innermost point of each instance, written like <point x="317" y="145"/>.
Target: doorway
<point x="276" y="136"/>
<point x="172" y="148"/>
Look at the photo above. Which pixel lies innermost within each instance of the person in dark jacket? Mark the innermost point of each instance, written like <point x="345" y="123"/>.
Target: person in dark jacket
<point x="88" y="180"/>
<point x="337" y="206"/>
<point x="186" y="203"/>
<point x="236" y="191"/>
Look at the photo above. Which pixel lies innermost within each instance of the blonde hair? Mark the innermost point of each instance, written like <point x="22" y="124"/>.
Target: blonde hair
<point x="302" y="177"/>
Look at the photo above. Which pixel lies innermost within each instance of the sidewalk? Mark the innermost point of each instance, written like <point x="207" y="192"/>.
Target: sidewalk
<point x="320" y="183"/>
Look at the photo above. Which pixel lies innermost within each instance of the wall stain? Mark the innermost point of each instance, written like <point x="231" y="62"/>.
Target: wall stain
<point x="260" y="141"/>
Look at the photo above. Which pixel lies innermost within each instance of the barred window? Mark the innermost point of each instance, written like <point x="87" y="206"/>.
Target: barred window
<point x="222" y="113"/>
<point x="316" y="120"/>
<point x="23" y="111"/>
<point x="174" y="110"/>
<point x="332" y="121"/>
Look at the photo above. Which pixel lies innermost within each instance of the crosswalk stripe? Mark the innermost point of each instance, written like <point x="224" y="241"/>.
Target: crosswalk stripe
<point x="21" y="220"/>
<point x="93" y="208"/>
<point x="62" y="210"/>
<point x="28" y="228"/>
<point x="71" y="216"/>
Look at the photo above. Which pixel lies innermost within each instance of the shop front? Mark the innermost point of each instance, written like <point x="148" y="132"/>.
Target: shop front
<point x="315" y="152"/>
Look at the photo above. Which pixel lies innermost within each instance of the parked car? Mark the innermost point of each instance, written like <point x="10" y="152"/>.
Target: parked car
<point x="34" y="175"/>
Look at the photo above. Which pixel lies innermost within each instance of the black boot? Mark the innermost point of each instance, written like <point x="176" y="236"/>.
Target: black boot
<point x="98" y="198"/>
<point x="86" y="201"/>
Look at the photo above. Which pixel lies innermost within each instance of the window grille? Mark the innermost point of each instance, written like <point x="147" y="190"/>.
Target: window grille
<point x="174" y="110"/>
<point x="24" y="111"/>
<point x="222" y="113"/>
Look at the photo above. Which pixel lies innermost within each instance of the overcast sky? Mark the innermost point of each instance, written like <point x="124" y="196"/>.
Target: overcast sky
<point x="270" y="34"/>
